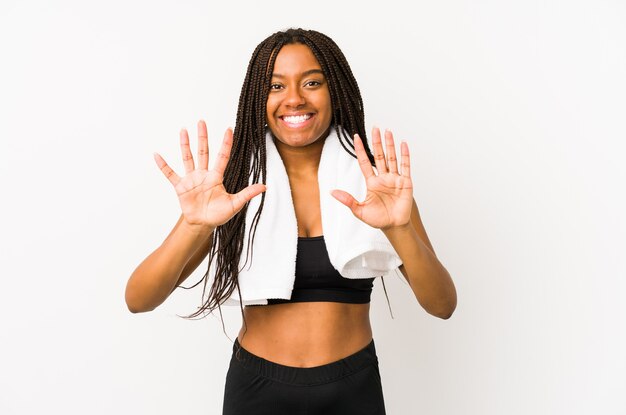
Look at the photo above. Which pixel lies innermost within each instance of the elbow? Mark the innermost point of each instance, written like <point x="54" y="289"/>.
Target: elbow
<point x="135" y="308"/>
<point x="447" y="307"/>
<point x="445" y="315"/>
<point x="442" y="311"/>
<point x="134" y="302"/>
<point x="445" y="310"/>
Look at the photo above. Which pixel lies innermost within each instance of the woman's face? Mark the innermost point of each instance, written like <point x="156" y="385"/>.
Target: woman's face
<point x="298" y="105"/>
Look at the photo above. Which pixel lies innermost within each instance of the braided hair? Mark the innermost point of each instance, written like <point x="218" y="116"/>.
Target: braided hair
<point x="247" y="163"/>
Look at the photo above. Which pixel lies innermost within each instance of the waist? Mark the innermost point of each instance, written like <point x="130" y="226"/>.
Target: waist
<point x="308" y="376"/>
<point x="306" y="334"/>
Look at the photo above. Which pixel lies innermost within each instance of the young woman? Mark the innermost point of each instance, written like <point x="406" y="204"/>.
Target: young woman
<point x="310" y="351"/>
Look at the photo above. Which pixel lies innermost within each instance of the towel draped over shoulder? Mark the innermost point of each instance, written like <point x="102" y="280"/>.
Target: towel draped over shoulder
<point x="355" y="249"/>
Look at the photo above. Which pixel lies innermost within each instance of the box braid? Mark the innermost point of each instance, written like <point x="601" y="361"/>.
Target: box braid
<point x="249" y="147"/>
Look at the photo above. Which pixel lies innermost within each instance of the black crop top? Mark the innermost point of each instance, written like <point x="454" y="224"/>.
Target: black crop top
<point x="317" y="280"/>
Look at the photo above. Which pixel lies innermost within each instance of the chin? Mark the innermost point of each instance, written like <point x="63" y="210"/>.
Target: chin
<point x="297" y="140"/>
<point x="297" y="143"/>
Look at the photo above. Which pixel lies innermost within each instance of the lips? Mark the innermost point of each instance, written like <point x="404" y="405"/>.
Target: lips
<point x="295" y="121"/>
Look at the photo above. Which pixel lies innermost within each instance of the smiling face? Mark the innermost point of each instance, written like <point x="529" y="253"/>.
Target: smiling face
<point x="298" y="104"/>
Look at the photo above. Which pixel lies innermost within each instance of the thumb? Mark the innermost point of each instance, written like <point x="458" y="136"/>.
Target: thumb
<point x="244" y="195"/>
<point x="347" y="199"/>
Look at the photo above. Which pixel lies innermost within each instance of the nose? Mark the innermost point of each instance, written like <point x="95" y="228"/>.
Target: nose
<point x="295" y="97"/>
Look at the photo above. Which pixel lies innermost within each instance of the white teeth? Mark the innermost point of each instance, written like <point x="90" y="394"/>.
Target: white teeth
<point x="296" y="119"/>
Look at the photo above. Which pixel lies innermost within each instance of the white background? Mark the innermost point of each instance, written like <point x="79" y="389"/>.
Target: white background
<point x="514" y="112"/>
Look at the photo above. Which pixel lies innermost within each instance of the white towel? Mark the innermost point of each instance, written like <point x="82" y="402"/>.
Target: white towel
<point x="355" y="249"/>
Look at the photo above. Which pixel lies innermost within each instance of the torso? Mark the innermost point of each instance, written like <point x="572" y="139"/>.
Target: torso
<point x="306" y="334"/>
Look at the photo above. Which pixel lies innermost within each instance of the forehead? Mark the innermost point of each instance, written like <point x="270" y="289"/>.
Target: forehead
<point x="294" y="59"/>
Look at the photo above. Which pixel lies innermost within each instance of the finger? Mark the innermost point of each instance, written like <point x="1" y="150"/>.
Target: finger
<point x="186" y="151"/>
<point x="364" y="161"/>
<point x="224" y="154"/>
<point x="203" y="146"/>
<point x="348" y="200"/>
<point x="379" y="154"/>
<point x="244" y="195"/>
<point x="392" y="161"/>
<point x="406" y="159"/>
<point x="166" y="169"/>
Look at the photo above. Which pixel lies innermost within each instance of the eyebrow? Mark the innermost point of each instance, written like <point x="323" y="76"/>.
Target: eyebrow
<point x="306" y="73"/>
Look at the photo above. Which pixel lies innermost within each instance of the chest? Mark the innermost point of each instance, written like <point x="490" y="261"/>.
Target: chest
<point x="306" y="200"/>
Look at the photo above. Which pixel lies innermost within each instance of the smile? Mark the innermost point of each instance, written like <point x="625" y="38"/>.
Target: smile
<point x="296" y="121"/>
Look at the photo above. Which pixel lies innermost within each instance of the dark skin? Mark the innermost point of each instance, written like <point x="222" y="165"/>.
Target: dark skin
<point x="299" y="116"/>
<point x="309" y="333"/>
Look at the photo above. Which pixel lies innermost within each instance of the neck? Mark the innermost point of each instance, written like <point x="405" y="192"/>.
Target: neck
<point x="301" y="162"/>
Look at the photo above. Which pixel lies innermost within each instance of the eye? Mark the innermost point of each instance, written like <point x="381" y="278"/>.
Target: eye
<point x="313" y="83"/>
<point x="275" y="87"/>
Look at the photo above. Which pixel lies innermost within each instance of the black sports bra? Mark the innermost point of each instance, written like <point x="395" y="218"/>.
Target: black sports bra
<point x="317" y="280"/>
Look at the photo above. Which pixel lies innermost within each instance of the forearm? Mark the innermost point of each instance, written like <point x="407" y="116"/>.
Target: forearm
<point x="156" y="277"/>
<point x="430" y="281"/>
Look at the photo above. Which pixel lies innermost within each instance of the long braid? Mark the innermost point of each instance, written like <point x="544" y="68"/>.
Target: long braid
<point x="247" y="163"/>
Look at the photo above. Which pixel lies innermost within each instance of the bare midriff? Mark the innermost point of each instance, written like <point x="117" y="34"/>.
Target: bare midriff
<point x="306" y="334"/>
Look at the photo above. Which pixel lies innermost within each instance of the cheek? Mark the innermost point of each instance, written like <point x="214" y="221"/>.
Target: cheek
<point x="329" y="108"/>
<point x="271" y="105"/>
<point x="326" y="103"/>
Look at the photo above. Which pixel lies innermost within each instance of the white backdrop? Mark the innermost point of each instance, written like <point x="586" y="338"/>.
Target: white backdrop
<point x="514" y="112"/>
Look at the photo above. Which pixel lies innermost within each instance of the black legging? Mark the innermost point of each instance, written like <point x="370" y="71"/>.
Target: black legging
<point x="256" y="386"/>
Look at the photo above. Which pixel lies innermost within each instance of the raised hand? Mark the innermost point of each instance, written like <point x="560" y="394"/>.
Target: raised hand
<point x="203" y="199"/>
<point x="389" y="197"/>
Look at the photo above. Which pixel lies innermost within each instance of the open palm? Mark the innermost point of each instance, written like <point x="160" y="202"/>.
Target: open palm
<point x="389" y="197"/>
<point x="201" y="193"/>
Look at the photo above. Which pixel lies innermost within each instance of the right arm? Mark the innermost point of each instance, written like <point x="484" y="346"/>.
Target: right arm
<point x="205" y="205"/>
<point x="168" y="266"/>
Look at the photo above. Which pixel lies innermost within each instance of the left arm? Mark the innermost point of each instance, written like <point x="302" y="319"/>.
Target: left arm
<point x="430" y="281"/>
<point x="389" y="205"/>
